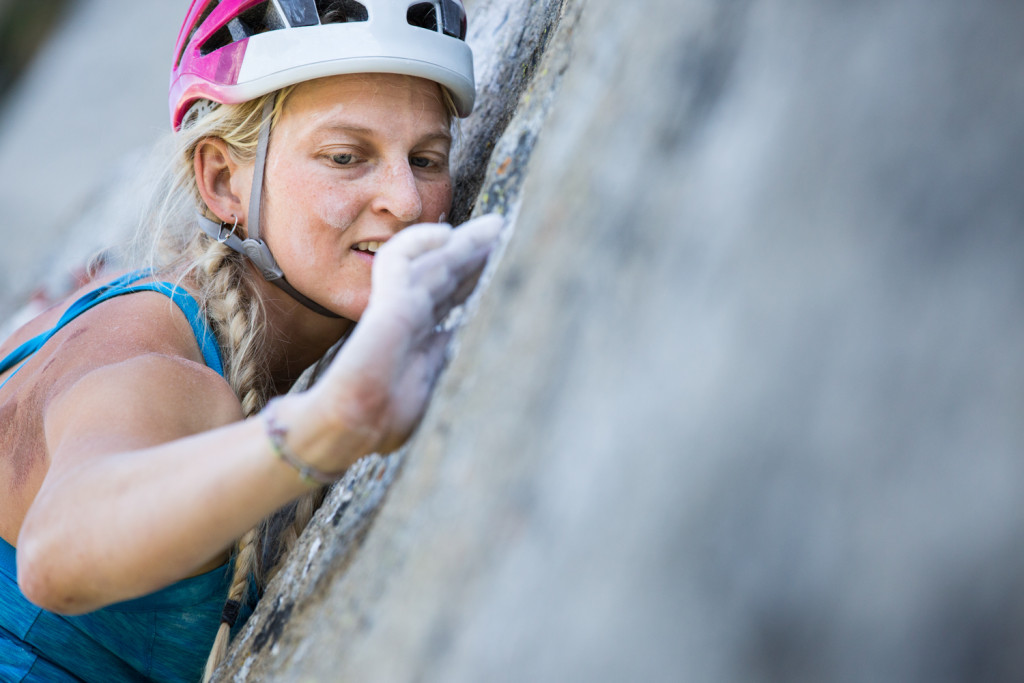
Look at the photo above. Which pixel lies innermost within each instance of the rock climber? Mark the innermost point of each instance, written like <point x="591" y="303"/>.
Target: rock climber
<point x="154" y="464"/>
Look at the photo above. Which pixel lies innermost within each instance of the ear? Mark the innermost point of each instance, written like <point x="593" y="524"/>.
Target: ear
<point x="223" y="184"/>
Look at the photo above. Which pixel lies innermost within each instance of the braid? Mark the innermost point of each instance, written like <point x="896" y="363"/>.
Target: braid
<point x="235" y="312"/>
<point x="226" y="289"/>
<point x="245" y="561"/>
<point x="304" y="509"/>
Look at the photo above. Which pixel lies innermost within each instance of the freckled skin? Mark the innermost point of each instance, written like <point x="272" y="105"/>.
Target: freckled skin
<point x="74" y="335"/>
<point x="21" y="420"/>
<point x="391" y="177"/>
<point x="74" y="351"/>
<point x="23" y="456"/>
<point x="21" y="440"/>
<point x="13" y="447"/>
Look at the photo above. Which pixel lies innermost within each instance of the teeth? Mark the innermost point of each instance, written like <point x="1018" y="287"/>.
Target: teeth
<point x="371" y="247"/>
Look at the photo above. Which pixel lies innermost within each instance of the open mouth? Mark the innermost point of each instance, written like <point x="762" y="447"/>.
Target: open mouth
<point x="368" y="247"/>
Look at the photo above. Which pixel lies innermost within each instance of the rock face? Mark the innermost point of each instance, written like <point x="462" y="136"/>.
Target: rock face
<point x="742" y="398"/>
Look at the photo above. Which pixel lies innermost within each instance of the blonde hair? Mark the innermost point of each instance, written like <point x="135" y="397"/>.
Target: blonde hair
<point x="223" y="283"/>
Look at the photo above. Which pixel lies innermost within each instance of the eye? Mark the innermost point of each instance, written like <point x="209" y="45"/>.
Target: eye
<point x="343" y="159"/>
<point x="422" y="162"/>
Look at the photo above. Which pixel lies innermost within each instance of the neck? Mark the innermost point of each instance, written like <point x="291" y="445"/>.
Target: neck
<point x="297" y="337"/>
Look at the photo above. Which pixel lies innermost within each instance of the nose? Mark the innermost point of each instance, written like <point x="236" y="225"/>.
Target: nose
<point x="398" y="193"/>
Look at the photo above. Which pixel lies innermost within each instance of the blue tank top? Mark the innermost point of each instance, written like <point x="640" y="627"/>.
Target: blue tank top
<point x="164" y="636"/>
<point x="119" y="287"/>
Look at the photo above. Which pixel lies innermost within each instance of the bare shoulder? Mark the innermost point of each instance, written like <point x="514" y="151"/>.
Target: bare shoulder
<point x="147" y="399"/>
<point x="125" y="375"/>
<point x="132" y="368"/>
<point x="113" y="330"/>
<point x="142" y="321"/>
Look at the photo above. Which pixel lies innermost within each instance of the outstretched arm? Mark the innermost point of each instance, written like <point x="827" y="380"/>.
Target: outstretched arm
<point x="146" y="487"/>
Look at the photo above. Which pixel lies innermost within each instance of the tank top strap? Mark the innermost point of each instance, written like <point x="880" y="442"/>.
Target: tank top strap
<point x="200" y="328"/>
<point x="80" y="305"/>
<point x="119" y="287"/>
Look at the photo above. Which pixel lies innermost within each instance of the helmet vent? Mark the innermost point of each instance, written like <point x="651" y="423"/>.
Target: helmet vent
<point x="439" y="16"/>
<point x="210" y="6"/>
<point x="341" y="11"/>
<point x="300" y="12"/>
<point x="424" y="15"/>
<point x="253" y="21"/>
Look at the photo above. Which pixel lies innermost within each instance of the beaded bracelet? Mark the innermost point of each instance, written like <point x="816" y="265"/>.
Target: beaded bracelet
<point x="277" y="433"/>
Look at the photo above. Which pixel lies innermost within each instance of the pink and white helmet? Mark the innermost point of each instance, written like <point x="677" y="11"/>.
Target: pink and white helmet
<point x="231" y="51"/>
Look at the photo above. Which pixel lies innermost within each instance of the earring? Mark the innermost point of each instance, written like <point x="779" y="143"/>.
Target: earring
<point x="224" y="238"/>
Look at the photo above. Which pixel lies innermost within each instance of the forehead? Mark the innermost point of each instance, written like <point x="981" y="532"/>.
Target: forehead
<point x="370" y="100"/>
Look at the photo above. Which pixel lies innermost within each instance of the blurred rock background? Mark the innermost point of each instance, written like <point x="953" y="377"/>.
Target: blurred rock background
<point x="77" y="118"/>
<point x="742" y="398"/>
<point x="23" y="28"/>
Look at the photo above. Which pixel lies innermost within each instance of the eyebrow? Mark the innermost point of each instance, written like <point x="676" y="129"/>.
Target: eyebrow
<point x="369" y="132"/>
<point x="358" y="130"/>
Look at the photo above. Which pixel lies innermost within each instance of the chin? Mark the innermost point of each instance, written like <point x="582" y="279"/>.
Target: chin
<point x="352" y="307"/>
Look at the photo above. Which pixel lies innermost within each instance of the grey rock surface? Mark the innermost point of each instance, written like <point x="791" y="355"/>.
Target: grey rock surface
<point x="742" y="398"/>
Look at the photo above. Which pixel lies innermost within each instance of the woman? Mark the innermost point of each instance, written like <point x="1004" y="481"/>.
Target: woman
<point x="310" y="136"/>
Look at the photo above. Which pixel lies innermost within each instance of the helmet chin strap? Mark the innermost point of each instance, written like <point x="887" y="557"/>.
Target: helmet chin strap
<point x="255" y="249"/>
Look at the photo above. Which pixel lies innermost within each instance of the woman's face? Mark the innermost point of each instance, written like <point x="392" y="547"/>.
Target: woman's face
<point x="353" y="160"/>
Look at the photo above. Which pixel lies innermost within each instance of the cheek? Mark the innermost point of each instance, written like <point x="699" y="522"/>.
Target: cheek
<point x="332" y="208"/>
<point x="313" y="203"/>
<point x="437" y="199"/>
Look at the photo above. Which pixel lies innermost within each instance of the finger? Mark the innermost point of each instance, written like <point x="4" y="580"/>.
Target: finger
<point x="469" y="263"/>
<point x="457" y="287"/>
<point x="442" y="271"/>
<point x="436" y="261"/>
<point x="463" y="255"/>
<point x="434" y="355"/>
<point x="420" y="239"/>
<point x="417" y="240"/>
<point x="444" y="288"/>
<point x="471" y="245"/>
<point x="467" y="284"/>
<point x="458" y="297"/>
<point x="481" y="231"/>
<point x="433" y="273"/>
<point x="392" y="261"/>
